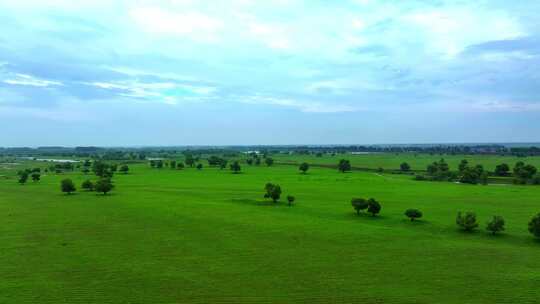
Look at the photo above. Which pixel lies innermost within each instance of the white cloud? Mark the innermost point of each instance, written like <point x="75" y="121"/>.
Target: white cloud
<point x="194" y="24"/>
<point x="304" y="106"/>
<point x="27" y="80"/>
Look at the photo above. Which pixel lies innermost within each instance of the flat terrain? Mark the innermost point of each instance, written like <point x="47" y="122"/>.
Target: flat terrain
<point x="178" y="236"/>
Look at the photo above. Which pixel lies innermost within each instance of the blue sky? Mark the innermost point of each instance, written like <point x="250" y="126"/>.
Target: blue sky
<point x="182" y="72"/>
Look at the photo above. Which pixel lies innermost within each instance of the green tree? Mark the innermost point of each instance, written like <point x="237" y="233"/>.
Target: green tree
<point x="467" y="221"/>
<point x="290" y="199"/>
<point x="124" y="169"/>
<point x="534" y="225"/>
<point x="104" y="185"/>
<point x="359" y="204"/>
<point x="273" y="191"/>
<point x="405" y="167"/>
<point x="23" y="177"/>
<point x="199" y="166"/>
<point x="496" y="224"/>
<point x="67" y="186"/>
<point x="373" y="207"/>
<point x="87" y="185"/>
<point x="190" y="161"/>
<point x="304" y="167"/>
<point x="502" y="170"/>
<point x="269" y="161"/>
<point x="235" y="167"/>
<point x="180" y="166"/>
<point x="172" y="164"/>
<point x="36" y="176"/>
<point x="462" y="165"/>
<point x="249" y="161"/>
<point x="344" y="165"/>
<point x="413" y="214"/>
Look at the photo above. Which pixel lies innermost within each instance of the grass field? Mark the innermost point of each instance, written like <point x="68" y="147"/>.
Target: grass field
<point x="179" y="236"/>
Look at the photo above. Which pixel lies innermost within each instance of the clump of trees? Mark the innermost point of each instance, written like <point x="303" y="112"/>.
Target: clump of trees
<point x="67" y="186"/>
<point x="502" y="170"/>
<point x="413" y="214"/>
<point x="304" y="167"/>
<point x="269" y="161"/>
<point x="439" y="171"/>
<point x="124" y="169"/>
<point x="467" y="221"/>
<point x="360" y="204"/>
<point x="199" y="166"/>
<point x="344" y="165"/>
<point x="473" y="175"/>
<point x="272" y="191"/>
<point x="524" y="174"/>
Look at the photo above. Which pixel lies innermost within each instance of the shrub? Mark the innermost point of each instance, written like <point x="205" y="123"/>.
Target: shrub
<point x="496" y="224"/>
<point x="420" y="177"/>
<point x="413" y="214"/>
<point x="467" y="221"/>
<point x="344" y="165"/>
<point x="534" y="225"/>
<point x="359" y="204"/>
<point x="304" y="167"/>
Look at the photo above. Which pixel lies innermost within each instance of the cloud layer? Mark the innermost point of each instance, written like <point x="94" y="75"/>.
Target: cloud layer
<point x="231" y="71"/>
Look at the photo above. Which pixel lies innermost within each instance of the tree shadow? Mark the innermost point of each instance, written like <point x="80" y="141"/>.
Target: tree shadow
<point x="255" y="202"/>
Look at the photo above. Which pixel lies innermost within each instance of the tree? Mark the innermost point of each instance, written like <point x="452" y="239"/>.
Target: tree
<point x="413" y="214"/>
<point x="534" y="225"/>
<point x="290" y="199"/>
<point x="405" y="167"/>
<point x="190" y="161"/>
<point x="273" y="191"/>
<point x="257" y="161"/>
<point x="502" y="170"/>
<point x="87" y="185"/>
<point x="462" y="165"/>
<point x="199" y="166"/>
<point x="67" y="186"/>
<point x="104" y="185"/>
<point x="223" y="164"/>
<point x="180" y="166"/>
<point x="523" y="172"/>
<point x="269" y="161"/>
<point x="235" y="167"/>
<point x="124" y="169"/>
<point x="36" y="176"/>
<point x="496" y="224"/>
<point x="172" y="164"/>
<point x="467" y="221"/>
<point x="102" y="169"/>
<point x="304" y="167"/>
<point x="373" y="207"/>
<point x="344" y="165"/>
<point x="159" y="164"/>
<point x="359" y="204"/>
<point x="249" y="161"/>
<point x="23" y="177"/>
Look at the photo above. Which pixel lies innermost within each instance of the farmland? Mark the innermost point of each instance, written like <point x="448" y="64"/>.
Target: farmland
<point x="176" y="236"/>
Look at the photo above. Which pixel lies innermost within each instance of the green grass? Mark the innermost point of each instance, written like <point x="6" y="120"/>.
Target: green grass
<point x="167" y="236"/>
<point x="391" y="161"/>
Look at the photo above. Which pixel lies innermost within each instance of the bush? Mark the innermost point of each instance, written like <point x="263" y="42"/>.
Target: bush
<point x="496" y="224"/>
<point x="359" y="204"/>
<point x="420" y="177"/>
<point x="534" y="225"/>
<point x="373" y="207"/>
<point x="104" y="185"/>
<point x="467" y="221"/>
<point x="413" y="214"/>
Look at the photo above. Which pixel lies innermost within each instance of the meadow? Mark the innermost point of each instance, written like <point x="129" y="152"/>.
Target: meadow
<point x="209" y="236"/>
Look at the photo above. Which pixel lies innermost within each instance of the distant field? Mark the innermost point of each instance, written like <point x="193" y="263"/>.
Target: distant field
<point x="180" y="236"/>
<point x="391" y="161"/>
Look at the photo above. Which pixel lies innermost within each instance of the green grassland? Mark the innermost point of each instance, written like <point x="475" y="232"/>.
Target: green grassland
<point x="209" y="236"/>
<point x="391" y="161"/>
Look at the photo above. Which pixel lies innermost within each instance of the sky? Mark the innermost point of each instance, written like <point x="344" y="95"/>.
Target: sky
<point x="243" y="72"/>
